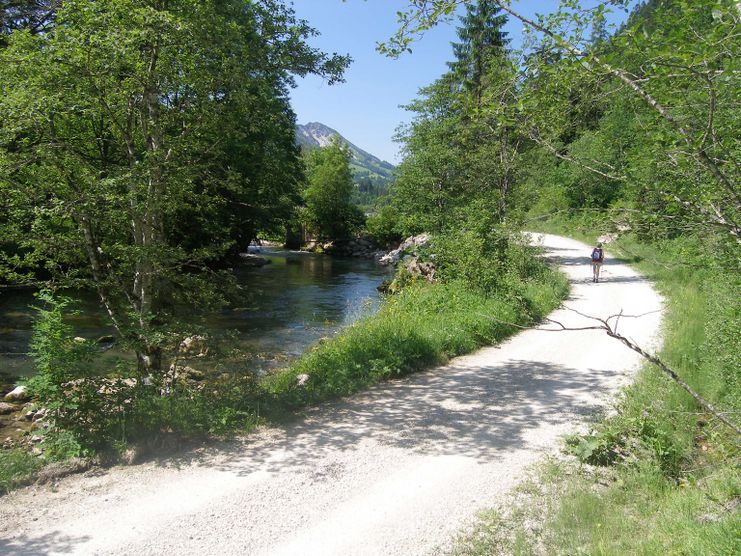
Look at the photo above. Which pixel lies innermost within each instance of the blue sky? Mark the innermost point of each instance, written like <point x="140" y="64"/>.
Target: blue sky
<point x="366" y="109"/>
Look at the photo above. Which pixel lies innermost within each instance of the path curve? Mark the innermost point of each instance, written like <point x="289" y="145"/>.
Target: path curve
<point x="398" y="469"/>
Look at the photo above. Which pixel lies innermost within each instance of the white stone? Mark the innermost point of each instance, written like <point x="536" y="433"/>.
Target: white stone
<point x="193" y="344"/>
<point x="408" y="245"/>
<point x="18" y="394"/>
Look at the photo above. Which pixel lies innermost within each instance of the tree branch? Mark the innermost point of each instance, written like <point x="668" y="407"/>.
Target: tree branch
<point x="611" y="330"/>
<point x="653" y="103"/>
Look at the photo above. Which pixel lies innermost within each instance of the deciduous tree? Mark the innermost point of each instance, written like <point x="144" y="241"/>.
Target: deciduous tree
<point x="137" y="139"/>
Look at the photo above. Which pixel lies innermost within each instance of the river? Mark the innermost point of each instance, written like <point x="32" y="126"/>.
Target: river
<point x="289" y="304"/>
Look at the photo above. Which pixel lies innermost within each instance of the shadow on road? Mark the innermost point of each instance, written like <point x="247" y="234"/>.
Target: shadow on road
<point x="477" y="412"/>
<point x="24" y="545"/>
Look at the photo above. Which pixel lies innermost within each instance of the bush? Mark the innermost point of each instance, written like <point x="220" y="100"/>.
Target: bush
<point x="89" y="412"/>
<point x="383" y="225"/>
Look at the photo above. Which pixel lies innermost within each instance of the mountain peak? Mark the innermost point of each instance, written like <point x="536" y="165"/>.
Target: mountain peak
<point x="314" y="135"/>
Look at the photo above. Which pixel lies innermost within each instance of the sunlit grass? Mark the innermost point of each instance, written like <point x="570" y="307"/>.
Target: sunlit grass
<point x="16" y="467"/>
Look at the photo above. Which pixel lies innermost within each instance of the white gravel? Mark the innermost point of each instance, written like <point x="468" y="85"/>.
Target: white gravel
<point x="396" y="470"/>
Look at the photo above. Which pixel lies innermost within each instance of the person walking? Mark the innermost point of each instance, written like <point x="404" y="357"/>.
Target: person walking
<point x="598" y="257"/>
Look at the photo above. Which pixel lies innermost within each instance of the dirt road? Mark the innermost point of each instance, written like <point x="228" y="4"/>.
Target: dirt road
<point x="396" y="470"/>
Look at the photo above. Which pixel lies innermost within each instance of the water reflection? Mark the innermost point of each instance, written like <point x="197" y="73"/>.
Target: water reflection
<point x="287" y="305"/>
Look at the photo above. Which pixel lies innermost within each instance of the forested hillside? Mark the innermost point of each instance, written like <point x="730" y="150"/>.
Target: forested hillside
<point x="371" y="175"/>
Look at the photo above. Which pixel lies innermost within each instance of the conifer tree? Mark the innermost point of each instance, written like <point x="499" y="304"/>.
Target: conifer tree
<point x="482" y="41"/>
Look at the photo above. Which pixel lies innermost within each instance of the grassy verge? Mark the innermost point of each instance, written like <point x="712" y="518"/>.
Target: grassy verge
<point x="659" y="477"/>
<point x="422" y="326"/>
<point x="17" y="467"/>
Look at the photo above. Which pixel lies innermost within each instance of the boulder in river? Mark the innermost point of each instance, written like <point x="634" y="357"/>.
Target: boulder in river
<point x="40" y="414"/>
<point x="194" y="345"/>
<point x="6" y="408"/>
<point x="18" y="394"/>
<point x="253" y="260"/>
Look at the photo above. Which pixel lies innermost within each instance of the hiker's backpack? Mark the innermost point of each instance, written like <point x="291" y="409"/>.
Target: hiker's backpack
<point x="597" y="254"/>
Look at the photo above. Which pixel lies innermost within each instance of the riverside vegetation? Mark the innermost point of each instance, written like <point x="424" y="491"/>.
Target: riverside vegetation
<point x="127" y="169"/>
<point x="423" y="325"/>
<point x="104" y="155"/>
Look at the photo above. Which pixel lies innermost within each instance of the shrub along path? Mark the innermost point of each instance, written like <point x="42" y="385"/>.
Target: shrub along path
<point x="395" y="470"/>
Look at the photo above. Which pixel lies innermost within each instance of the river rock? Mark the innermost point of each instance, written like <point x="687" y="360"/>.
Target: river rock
<point x="410" y="244"/>
<point x="6" y="408"/>
<point x="390" y="258"/>
<point x="358" y="247"/>
<point x="194" y="345"/>
<point x="416" y="267"/>
<point x="253" y="260"/>
<point x="184" y="373"/>
<point x="106" y="339"/>
<point x="18" y="394"/>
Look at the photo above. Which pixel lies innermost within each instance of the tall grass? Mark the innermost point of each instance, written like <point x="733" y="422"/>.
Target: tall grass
<point x="674" y="487"/>
<point x="17" y="466"/>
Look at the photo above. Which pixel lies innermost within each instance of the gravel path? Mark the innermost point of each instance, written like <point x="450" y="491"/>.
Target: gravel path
<point x="396" y="470"/>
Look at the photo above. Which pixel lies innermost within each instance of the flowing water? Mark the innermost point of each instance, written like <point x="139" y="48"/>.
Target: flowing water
<point x="288" y="305"/>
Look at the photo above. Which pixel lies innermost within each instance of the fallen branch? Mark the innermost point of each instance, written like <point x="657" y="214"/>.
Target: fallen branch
<point x="611" y="330"/>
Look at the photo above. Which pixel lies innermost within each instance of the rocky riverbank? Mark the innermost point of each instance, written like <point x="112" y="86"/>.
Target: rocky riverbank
<point x="20" y="420"/>
<point x="359" y="247"/>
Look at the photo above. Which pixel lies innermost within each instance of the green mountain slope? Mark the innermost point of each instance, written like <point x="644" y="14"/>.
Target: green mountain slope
<point x="364" y="165"/>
